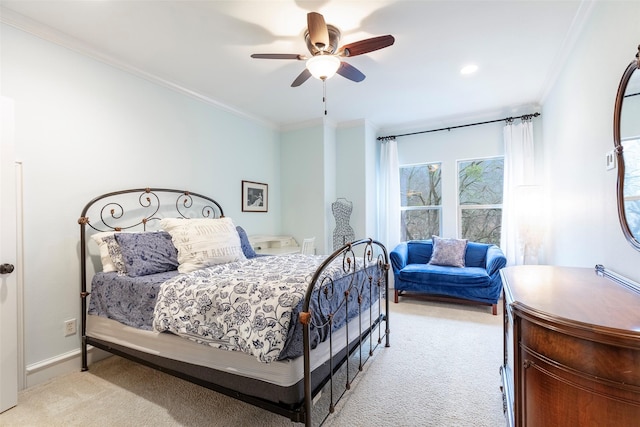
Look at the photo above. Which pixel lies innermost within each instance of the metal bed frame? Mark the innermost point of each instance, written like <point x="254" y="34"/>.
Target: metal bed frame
<point x="142" y="207"/>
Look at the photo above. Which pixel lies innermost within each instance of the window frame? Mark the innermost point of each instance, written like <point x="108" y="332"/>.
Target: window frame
<point x="437" y="208"/>
<point x="460" y="207"/>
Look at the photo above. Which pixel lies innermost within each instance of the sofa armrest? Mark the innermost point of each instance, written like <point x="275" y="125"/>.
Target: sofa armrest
<point x="495" y="260"/>
<point x="399" y="256"/>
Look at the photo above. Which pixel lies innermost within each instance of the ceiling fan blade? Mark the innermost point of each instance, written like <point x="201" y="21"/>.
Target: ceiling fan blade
<point x="350" y="72"/>
<point x="366" y="46"/>
<point x="302" y="77"/>
<point x="278" y="56"/>
<point x="318" y="32"/>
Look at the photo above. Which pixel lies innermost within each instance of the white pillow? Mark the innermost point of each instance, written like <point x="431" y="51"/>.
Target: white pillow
<point x="107" y="263"/>
<point x="203" y="242"/>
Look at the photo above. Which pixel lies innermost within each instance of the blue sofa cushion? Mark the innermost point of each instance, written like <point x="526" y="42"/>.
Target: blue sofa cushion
<point x="418" y="252"/>
<point x="476" y="255"/>
<point x="438" y="275"/>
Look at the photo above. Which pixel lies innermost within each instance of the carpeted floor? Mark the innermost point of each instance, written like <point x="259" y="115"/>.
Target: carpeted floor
<point x="442" y="369"/>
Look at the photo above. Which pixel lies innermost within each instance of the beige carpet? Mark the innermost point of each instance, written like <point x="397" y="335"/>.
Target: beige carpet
<point x="442" y="369"/>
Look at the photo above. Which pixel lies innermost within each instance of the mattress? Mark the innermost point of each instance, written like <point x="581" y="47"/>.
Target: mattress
<point x="284" y="373"/>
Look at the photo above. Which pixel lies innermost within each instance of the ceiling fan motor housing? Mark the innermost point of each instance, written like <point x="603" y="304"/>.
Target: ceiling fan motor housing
<point x="334" y="39"/>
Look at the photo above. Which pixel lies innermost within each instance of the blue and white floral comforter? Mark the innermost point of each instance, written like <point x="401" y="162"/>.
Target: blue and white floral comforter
<point x="246" y="306"/>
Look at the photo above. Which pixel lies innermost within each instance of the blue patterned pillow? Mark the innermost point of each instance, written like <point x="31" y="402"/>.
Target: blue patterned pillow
<point x="115" y="254"/>
<point x="147" y="253"/>
<point x="449" y="252"/>
<point x="247" y="249"/>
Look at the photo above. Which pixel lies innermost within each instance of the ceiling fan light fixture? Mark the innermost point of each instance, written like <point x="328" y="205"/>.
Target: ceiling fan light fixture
<point x="323" y="67"/>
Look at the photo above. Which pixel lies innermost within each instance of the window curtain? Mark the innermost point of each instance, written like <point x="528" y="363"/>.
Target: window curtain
<point x="389" y="208"/>
<point x="518" y="173"/>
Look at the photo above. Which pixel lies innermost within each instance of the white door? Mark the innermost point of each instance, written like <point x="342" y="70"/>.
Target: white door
<point x="8" y="256"/>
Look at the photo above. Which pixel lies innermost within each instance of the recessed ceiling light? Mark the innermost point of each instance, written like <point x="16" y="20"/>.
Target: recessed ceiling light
<point x="469" y="69"/>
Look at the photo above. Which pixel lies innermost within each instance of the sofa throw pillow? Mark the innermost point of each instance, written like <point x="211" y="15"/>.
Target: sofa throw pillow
<point x="448" y="252"/>
<point x="203" y="242"/>
<point x="147" y="252"/>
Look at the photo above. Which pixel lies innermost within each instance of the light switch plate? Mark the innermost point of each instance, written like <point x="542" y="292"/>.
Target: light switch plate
<point x="610" y="160"/>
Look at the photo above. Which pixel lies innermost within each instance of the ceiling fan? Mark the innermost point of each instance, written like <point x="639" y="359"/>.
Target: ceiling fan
<point x="322" y="42"/>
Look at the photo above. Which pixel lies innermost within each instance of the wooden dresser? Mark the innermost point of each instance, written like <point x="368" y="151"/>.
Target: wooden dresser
<point x="571" y="348"/>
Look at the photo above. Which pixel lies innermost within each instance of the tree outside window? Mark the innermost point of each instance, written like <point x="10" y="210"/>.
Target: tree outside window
<point x="421" y="200"/>
<point x="631" y="187"/>
<point x="480" y="186"/>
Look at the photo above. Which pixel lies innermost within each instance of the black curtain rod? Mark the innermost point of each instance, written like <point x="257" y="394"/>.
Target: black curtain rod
<point x="506" y="119"/>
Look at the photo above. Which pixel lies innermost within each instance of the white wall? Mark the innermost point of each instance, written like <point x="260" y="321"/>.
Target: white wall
<point x="84" y="128"/>
<point x="578" y="131"/>
<point x="321" y="163"/>
<point x="331" y="169"/>
<point x="356" y="168"/>
<point x="303" y="183"/>
<point x="351" y="176"/>
<point x="372" y="162"/>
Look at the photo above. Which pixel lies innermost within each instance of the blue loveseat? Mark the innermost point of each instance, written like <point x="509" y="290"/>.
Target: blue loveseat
<point x="478" y="281"/>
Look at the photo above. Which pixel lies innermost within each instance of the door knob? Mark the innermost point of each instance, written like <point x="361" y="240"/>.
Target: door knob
<point x="6" y="268"/>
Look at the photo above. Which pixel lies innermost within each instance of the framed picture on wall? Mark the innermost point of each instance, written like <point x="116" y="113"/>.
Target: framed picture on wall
<point x="255" y="196"/>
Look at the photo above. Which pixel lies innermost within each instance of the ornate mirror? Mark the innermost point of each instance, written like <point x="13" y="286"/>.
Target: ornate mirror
<point x="626" y="136"/>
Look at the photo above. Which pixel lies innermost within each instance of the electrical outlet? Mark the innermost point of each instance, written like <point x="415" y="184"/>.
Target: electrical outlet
<point x="70" y="327"/>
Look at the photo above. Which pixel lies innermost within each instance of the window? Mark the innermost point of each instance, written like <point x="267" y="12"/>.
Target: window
<point x="480" y="199"/>
<point x="421" y="199"/>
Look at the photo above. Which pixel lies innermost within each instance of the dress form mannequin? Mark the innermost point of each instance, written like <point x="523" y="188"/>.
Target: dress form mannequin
<point x="343" y="232"/>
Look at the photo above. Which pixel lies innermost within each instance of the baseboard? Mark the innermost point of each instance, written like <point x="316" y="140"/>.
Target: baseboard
<point x="38" y="373"/>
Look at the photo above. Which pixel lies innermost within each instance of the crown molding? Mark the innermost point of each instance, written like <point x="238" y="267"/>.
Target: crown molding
<point x="21" y="22"/>
<point x="574" y="32"/>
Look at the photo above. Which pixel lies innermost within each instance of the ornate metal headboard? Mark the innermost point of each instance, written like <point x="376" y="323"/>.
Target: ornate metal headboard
<point x="135" y="209"/>
<point x="150" y="201"/>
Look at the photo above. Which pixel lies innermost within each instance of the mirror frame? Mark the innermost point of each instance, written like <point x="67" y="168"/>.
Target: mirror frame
<point x="633" y="66"/>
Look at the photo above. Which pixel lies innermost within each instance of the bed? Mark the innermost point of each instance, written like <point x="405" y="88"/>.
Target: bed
<point x="170" y="282"/>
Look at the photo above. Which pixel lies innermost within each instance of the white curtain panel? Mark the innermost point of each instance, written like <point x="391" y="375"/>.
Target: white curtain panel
<point x="518" y="171"/>
<point x="389" y="194"/>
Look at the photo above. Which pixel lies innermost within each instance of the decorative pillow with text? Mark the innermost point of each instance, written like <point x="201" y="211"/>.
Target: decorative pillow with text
<point x="203" y="242"/>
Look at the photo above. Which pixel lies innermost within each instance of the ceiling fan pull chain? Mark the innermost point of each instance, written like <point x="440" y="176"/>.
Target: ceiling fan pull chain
<point x="324" y="95"/>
